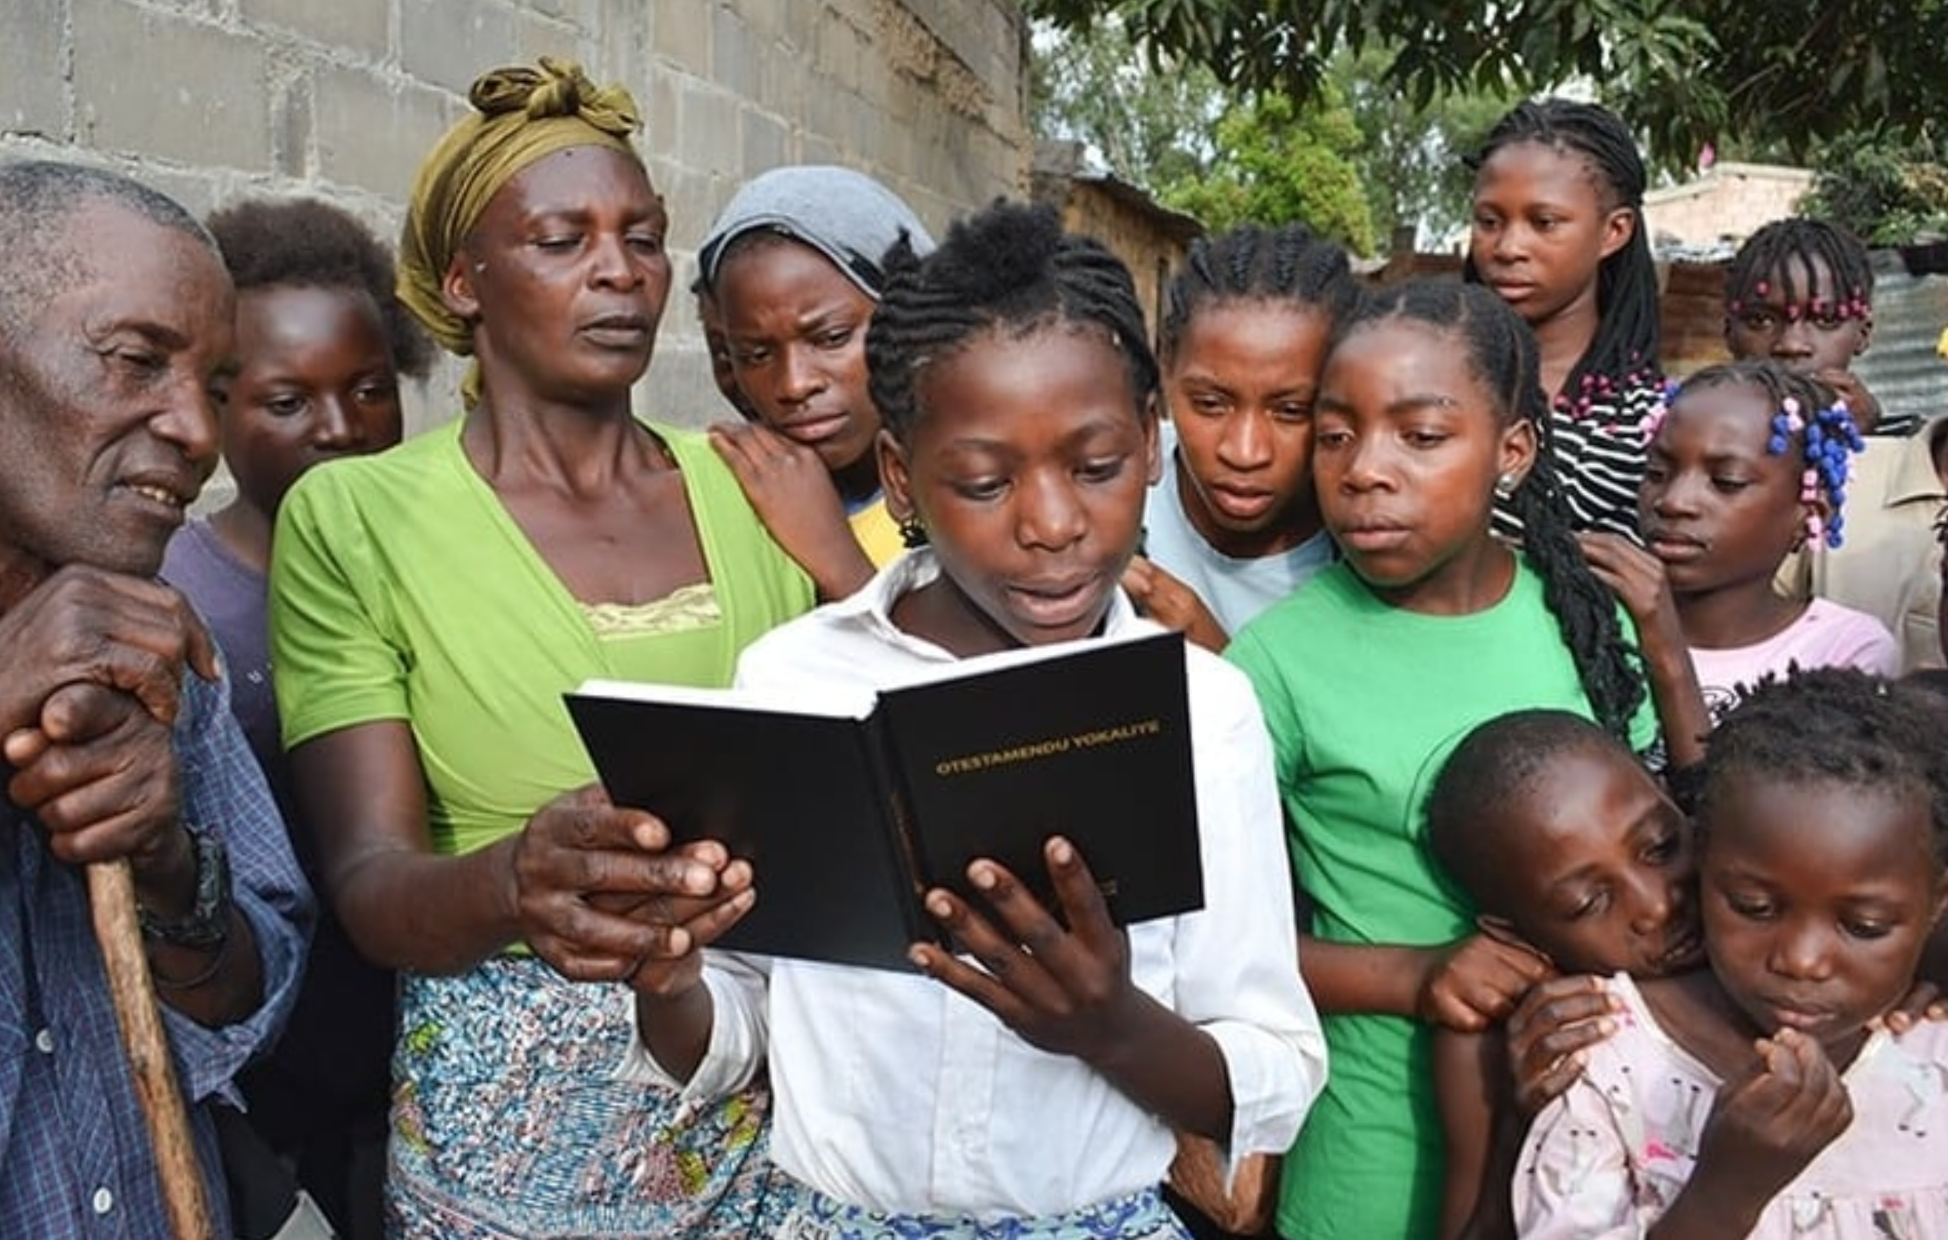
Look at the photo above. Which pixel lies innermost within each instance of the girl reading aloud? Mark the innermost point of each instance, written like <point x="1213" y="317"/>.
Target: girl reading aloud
<point x="1428" y="416"/>
<point x="1027" y="1084"/>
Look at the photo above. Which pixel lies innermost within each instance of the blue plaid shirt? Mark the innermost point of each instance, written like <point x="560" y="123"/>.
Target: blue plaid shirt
<point x="74" y="1152"/>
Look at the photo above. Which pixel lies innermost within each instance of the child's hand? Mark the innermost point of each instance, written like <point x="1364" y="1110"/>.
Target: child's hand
<point x="1547" y="1033"/>
<point x="1064" y="991"/>
<point x="1174" y="605"/>
<point x="1636" y="577"/>
<point x="1639" y="581"/>
<point x="787" y="484"/>
<point x="691" y="923"/>
<point x="1923" y="1002"/>
<point x="1470" y="984"/>
<point x="1768" y="1122"/>
<point x="1861" y="404"/>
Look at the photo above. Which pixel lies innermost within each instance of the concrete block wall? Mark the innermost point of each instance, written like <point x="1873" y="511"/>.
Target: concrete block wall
<point x="212" y="100"/>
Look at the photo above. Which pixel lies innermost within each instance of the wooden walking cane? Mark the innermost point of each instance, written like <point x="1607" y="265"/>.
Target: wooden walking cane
<point x="111" y="894"/>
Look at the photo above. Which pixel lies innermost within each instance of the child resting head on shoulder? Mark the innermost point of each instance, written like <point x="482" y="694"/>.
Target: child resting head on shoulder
<point x="1565" y="844"/>
<point x="1233" y="525"/>
<point x="790" y="271"/>
<point x="1766" y="1095"/>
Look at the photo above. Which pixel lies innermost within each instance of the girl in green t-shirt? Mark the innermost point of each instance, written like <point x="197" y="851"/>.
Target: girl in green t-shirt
<point x="1429" y="412"/>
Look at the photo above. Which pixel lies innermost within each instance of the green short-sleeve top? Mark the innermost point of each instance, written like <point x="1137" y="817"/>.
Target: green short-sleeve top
<point x="1364" y="702"/>
<point x="401" y="589"/>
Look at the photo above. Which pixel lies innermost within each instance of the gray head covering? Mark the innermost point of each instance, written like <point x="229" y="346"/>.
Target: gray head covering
<point x="845" y="215"/>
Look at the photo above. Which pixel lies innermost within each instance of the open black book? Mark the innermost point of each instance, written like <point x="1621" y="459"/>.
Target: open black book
<point x="850" y="812"/>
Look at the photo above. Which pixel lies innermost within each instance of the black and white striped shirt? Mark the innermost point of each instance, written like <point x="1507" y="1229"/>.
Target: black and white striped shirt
<point x="1599" y="459"/>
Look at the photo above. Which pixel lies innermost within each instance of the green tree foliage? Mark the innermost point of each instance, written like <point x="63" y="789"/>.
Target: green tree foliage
<point x="1412" y="160"/>
<point x="1887" y="192"/>
<point x="1276" y="162"/>
<point x="1685" y="72"/>
<point x="1183" y="137"/>
<point x="1151" y="128"/>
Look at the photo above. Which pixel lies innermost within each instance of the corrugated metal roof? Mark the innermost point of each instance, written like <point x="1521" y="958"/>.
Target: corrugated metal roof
<point x="1901" y="366"/>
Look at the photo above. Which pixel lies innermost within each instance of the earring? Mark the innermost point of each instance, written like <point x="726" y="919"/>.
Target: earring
<point x="1505" y="486"/>
<point x="912" y="533"/>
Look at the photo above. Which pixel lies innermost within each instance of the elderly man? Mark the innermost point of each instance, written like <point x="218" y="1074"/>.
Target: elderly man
<point x="115" y="314"/>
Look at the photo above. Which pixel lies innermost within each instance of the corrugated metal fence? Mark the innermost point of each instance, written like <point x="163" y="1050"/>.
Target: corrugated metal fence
<point x="1901" y="366"/>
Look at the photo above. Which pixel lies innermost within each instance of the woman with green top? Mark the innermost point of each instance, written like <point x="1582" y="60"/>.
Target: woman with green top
<point x="430" y="606"/>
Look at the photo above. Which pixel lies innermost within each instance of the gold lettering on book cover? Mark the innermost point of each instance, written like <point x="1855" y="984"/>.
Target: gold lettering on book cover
<point x="1049" y="747"/>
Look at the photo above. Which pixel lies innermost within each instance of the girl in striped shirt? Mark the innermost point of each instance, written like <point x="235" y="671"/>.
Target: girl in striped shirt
<point x="1558" y="234"/>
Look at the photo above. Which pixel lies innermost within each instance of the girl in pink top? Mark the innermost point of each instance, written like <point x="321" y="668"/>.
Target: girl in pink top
<point x="1749" y="462"/>
<point x="1765" y="1096"/>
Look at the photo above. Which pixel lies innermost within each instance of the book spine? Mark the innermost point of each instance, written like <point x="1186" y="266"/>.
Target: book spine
<point x="896" y="818"/>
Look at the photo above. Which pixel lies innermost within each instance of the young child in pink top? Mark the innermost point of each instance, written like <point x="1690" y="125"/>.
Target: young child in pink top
<point x="1749" y="462"/>
<point x="1766" y="1096"/>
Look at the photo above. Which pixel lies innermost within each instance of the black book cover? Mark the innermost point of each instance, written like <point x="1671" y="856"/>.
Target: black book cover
<point x="849" y="816"/>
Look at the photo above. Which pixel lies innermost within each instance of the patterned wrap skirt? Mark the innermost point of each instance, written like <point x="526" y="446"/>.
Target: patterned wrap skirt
<point x="508" y="1122"/>
<point x="811" y="1215"/>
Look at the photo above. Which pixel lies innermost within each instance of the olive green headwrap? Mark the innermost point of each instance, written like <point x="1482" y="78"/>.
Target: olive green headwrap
<point x="520" y="115"/>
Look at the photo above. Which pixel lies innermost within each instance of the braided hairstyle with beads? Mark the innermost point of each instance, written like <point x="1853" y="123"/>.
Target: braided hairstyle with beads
<point x="1626" y="345"/>
<point x="1783" y="253"/>
<point x="1011" y="270"/>
<point x="1501" y="353"/>
<point x="1286" y="264"/>
<point x="1807" y="415"/>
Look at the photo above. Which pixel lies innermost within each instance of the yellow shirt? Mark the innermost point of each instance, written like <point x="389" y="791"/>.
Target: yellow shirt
<point x="877" y="532"/>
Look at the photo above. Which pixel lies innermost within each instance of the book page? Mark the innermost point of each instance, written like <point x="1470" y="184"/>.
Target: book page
<point x="836" y="706"/>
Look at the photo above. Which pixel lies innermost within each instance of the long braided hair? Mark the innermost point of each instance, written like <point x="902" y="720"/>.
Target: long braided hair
<point x="1286" y="264"/>
<point x="1010" y="269"/>
<point x="1807" y="423"/>
<point x="1626" y="345"/>
<point x="1501" y="353"/>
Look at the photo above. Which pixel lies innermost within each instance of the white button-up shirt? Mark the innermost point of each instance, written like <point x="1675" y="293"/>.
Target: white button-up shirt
<point x="896" y="1093"/>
